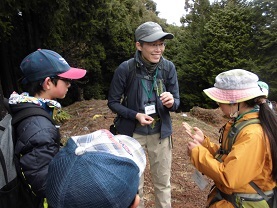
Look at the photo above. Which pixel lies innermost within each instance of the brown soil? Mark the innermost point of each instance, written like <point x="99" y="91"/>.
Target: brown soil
<point x="88" y="116"/>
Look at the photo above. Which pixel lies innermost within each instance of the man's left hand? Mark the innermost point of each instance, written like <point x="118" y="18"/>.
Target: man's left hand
<point x="167" y="99"/>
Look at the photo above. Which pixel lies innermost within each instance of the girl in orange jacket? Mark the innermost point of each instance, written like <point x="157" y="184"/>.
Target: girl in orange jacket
<point x="252" y="156"/>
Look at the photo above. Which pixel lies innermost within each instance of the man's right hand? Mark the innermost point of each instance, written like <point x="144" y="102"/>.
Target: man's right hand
<point x="144" y="119"/>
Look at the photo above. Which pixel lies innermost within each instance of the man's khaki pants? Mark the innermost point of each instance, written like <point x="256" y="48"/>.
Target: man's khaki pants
<point x="160" y="157"/>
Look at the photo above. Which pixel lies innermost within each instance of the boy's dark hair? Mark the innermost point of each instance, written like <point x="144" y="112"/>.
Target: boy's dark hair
<point x="34" y="88"/>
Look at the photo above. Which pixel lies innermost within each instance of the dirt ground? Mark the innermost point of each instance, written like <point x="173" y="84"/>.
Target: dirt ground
<point x="88" y="116"/>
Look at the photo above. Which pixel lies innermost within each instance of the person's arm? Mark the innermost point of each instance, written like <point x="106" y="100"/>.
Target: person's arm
<point x="116" y="91"/>
<point x="172" y="100"/>
<point x="198" y="138"/>
<point x="37" y="144"/>
<point x="247" y="153"/>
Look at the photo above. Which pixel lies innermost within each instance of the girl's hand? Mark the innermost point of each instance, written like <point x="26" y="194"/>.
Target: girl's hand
<point x="194" y="132"/>
<point x="191" y="145"/>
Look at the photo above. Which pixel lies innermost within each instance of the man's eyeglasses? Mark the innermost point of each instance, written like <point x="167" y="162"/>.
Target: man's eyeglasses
<point x="156" y="45"/>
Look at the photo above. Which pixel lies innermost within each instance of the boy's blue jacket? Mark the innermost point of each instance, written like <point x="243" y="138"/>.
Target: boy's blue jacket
<point x="38" y="141"/>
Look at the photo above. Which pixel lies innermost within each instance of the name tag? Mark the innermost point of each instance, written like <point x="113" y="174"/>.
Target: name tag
<point x="150" y="109"/>
<point x="199" y="179"/>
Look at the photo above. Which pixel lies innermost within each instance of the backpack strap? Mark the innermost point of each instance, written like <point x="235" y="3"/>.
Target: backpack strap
<point x="27" y="112"/>
<point x="4" y="167"/>
<point x="258" y="190"/>
<point x="32" y="111"/>
<point x="5" y="126"/>
<point x="131" y="74"/>
<point x="232" y="135"/>
<point x="5" y="120"/>
<point x="165" y="68"/>
<point x="234" y="131"/>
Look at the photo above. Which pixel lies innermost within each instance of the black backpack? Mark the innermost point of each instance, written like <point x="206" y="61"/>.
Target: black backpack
<point x="14" y="193"/>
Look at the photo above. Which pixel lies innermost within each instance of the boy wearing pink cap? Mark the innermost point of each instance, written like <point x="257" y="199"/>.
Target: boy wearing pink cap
<point x="46" y="77"/>
<point x="243" y="167"/>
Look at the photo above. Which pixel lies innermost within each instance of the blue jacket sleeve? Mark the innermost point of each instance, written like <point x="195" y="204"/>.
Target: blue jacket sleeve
<point x="172" y="85"/>
<point x="117" y="89"/>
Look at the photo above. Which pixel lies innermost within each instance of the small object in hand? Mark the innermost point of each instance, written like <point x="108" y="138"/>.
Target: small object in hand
<point x="160" y="87"/>
<point x="192" y="131"/>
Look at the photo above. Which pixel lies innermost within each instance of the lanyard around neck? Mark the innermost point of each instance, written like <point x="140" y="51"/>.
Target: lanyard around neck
<point x="149" y="92"/>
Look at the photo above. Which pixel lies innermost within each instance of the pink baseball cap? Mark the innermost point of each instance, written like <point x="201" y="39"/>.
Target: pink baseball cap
<point x="46" y="63"/>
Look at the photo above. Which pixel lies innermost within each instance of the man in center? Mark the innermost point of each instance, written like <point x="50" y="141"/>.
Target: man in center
<point x="149" y="87"/>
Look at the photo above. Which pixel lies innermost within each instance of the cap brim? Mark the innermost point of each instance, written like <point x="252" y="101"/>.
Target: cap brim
<point x="73" y="73"/>
<point x="157" y="36"/>
<point x="233" y="96"/>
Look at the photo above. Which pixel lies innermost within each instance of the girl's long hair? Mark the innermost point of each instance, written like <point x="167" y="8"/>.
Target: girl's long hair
<point x="268" y="119"/>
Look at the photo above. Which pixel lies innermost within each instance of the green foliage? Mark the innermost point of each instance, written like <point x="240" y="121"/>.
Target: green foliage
<point x="98" y="35"/>
<point x="266" y="43"/>
<point x="61" y="117"/>
<point x="93" y="91"/>
<point x="7" y="12"/>
<point x="220" y="37"/>
<point x="191" y="63"/>
<point x="6" y="28"/>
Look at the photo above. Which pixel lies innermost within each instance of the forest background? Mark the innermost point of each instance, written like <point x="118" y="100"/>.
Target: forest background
<point x="98" y="35"/>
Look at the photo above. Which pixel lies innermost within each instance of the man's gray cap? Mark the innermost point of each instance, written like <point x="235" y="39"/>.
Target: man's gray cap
<point x="150" y="32"/>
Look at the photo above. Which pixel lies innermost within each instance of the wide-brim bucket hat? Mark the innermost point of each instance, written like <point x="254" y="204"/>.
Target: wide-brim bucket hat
<point x="235" y="86"/>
